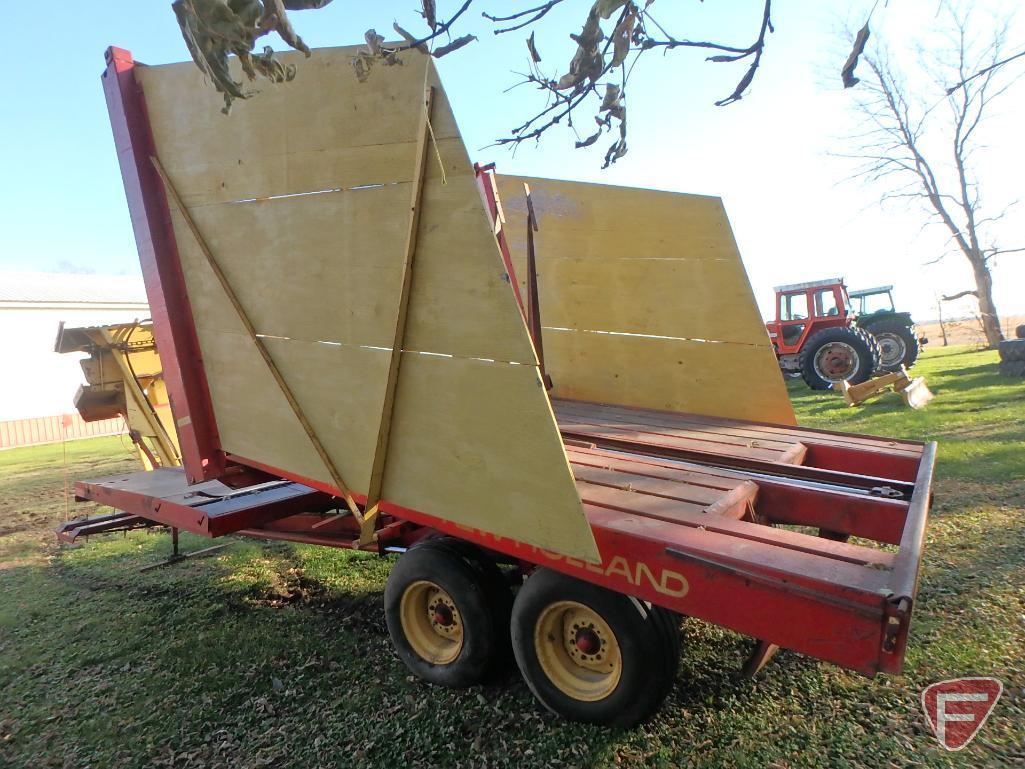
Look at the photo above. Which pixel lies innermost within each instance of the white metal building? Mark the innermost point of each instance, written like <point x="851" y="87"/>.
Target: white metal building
<point x="34" y="380"/>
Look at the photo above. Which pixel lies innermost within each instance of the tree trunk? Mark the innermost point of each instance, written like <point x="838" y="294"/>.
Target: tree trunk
<point x="987" y="308"/>
<point x="943" y="326"/>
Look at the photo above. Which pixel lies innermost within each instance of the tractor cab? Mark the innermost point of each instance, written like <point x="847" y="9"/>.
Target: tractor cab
<point x="899" y="342"/>
<point x="873" y="301"/>
<point x="804" y="308"/>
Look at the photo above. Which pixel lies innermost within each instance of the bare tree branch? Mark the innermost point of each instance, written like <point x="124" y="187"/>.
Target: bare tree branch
<point x="523" y="18"/>
<point x="985" y="71"/>
<point x="967" y="292"/>
<point x="903" y="147"/>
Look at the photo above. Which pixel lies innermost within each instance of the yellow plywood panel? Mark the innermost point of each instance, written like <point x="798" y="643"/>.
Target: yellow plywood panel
<point x="325" y="130"/>
<point x="717" y="379"/>
<point x="472" y="439"/>
<point x="648" y="264"/>
<point x="312" y="268"/>
<point x="327" y="267"/>
<point x="317" y="275"/>
<point x="601" y="221"/>
<point x="644" y="297"/>
<point x="320" y="376"/>
<point x="253" y="417"/>
<point x="462" y="302"/>
<point x="632" y="260"/>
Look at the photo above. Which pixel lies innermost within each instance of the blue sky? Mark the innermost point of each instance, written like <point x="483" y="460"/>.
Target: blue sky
<point x="62" y="205"/>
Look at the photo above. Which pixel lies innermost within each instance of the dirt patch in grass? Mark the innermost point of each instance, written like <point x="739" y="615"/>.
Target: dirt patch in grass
<point x="38" y="481"/>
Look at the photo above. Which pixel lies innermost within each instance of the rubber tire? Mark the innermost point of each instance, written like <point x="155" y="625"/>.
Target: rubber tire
<point x="1012" y="350"/>
<point x="862" y="343"/>
<point x="481" y="596"/>
<point x="1019" y="332"/>
<point x="648" y="636"/>
<point x="496" y="589"/>
<point x="907" y="335"/>
<point x="1012" y="368"/>
<point x="873" y="345"/>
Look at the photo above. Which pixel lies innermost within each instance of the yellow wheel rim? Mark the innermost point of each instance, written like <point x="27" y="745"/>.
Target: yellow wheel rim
<point x="578" y="651"/>
<point x="431" y="622"/>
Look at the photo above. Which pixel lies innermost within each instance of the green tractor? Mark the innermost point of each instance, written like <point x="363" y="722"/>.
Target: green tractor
<point x="874" y="311"/>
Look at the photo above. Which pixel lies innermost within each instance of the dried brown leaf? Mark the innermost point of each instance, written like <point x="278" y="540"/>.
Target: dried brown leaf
<point x="621" y="39"/>
<point x="374" y="42"/>
<point x="611" y="100"/>
<point x="589" y="140"/>
<point x="455" y="45"/>
<point x="430" y="14"/>
<point x="275" y="17"/>
<point x="587" y="61"/>
<point x="534" y="55"/>
<point x="606" y="8"/>
<point x="847" y="73"/>
<point x="410" y="40"/>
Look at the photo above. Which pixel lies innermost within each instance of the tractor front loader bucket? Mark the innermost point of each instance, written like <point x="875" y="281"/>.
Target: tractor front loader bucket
<point x="913" y="392"/>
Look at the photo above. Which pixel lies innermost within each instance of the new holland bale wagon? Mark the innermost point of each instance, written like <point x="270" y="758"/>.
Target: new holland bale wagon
<point x="349" y="320"/>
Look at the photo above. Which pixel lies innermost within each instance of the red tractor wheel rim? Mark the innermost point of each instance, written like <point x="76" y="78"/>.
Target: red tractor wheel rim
<point x="836" y="361"/>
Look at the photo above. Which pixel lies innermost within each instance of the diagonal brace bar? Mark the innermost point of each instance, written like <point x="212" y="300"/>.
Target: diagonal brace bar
<point x="388" y="408"/>
<point x="336" y="477"/>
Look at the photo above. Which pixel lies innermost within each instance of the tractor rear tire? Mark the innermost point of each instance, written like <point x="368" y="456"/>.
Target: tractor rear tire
<point x="838" y="353"/>
<point x="1012" y="350"/>
<point x="873" y="345"/>
<point x="898" y="345"/>
<point x="593" y="655"/>
<point x="447" y="607"/>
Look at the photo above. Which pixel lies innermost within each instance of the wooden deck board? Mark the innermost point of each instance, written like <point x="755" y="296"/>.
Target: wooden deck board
<point x="810" y="566"/>
<point x="711" y="429"/>
<point x="698" y="496"/>
<point x="697" y="475"/>
<point x="692" y="516"/>
<point x="715" y="440"/>
<point x="731" y="427"/>
<point x="598" y="431"/>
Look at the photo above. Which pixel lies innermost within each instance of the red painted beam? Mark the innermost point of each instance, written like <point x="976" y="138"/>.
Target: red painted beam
<point x="173" y="325"/>
<point x="877" y="462"/>
<point x="875" y="518"/>
<point x="160" y="495"/>
<point x="485" y="181"/>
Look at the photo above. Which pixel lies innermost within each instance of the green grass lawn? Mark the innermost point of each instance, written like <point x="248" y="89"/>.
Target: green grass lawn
<point x="277" y="655"/>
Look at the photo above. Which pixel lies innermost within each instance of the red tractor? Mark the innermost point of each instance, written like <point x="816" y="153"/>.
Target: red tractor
<point x="815" y="335"/>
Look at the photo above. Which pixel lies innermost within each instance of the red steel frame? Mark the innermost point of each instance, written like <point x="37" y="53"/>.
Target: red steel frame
<point x="489" y="192"/>
<point x="818" y="600"/>
<point x="161" y="269"/>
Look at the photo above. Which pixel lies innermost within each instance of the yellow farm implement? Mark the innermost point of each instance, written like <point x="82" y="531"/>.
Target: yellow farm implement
<point x="124" y="378"/>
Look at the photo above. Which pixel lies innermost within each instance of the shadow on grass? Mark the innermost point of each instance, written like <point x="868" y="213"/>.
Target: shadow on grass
<point x="248" y="653"/>
<point x="220" y="646"/>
